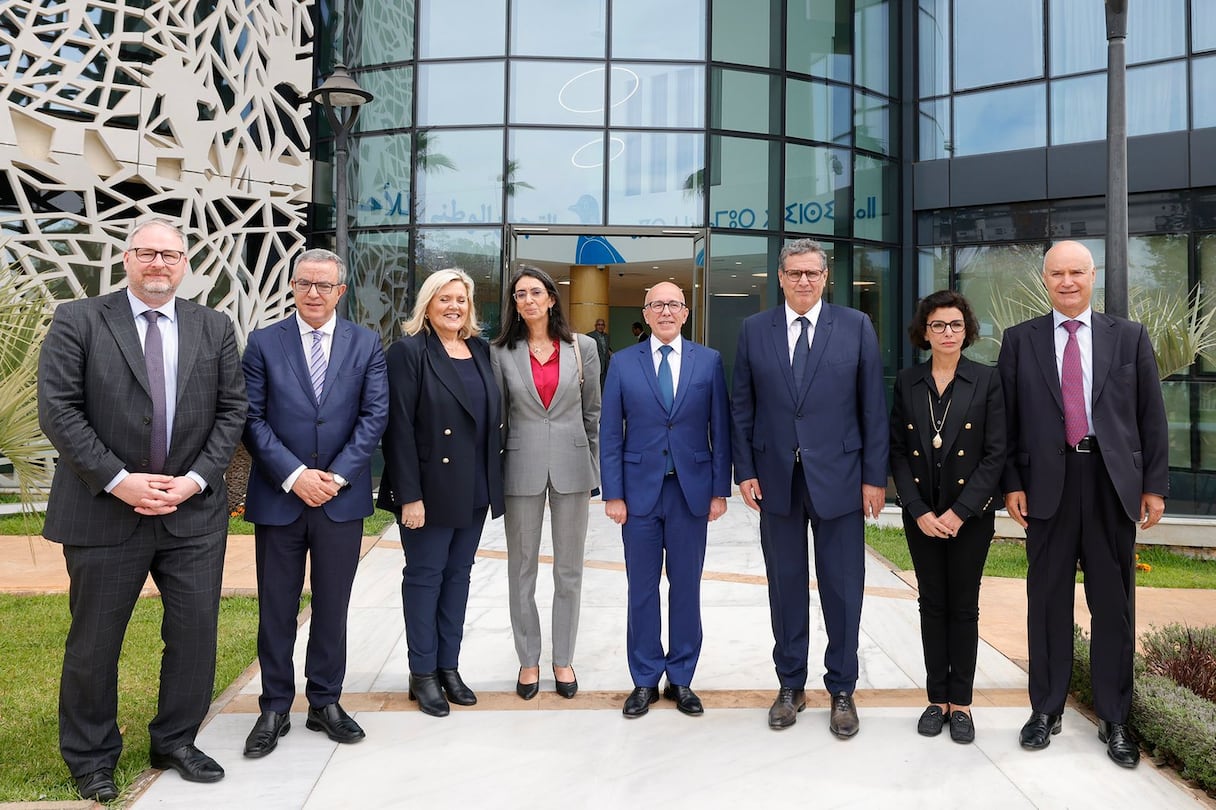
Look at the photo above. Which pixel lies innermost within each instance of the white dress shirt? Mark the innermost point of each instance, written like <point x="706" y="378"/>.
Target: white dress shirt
<point x="793" y="329"/>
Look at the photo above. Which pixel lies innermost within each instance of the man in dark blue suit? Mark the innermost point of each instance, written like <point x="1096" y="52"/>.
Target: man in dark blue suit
<point x="318" y="393"/>
<point x="665" y="472"/>
<point x="810" y="445"/>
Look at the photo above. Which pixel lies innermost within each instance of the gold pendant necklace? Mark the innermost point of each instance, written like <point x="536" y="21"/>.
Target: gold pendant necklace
<point x="937" y="425"/>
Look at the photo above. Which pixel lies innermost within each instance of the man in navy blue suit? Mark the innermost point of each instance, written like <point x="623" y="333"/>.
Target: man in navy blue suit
<point x="318" y="392"/>
<point x="665" y="472"/>
<point x="810" y="445"/>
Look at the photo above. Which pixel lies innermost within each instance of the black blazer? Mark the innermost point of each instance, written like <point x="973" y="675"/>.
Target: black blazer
<point x="973" y="441"/>
<point x="430" y="445"/>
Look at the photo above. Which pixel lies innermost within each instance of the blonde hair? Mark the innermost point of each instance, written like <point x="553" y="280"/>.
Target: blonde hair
<point x="417" y="321"/>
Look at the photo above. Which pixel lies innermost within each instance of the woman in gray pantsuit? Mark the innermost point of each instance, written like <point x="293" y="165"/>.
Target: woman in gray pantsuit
<point x="551" y="406"/>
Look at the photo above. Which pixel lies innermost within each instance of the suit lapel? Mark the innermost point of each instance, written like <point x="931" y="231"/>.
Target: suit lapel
<point x="1042" y="338"/>
<point x="688" y="358"/>
<point x="921" y="415"/>
<point x="523" y="365"/>
<point x="960" y="404"/>
<point x="293" y="350"/>
<point x="445" y="370"/>
<point x="819" y="342"/>
<point x="189" y="339"/>
<point x="781" y="349"/>
<point x="118" y="318"/>
<point x="339" y="350"/>
<point x="648" y="371"/>
<point x="1102" y="343"/>
<point x="567" y="379"/>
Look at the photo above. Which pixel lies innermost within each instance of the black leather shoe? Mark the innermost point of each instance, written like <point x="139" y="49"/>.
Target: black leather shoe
<point x="264" y="737"/>
<point x="426" y="690"/>
<point x="191" y="763"/>
<point x="639" y="700"/>
<point x="1121" y="746"/>
<point x="785" y="708"/>
<point x="457" y="690"/>
<point x="98" y="786"/>
<point x="1036" y="734"/>
<point x="335" y="722"/>
<point x="962" y="730"/>
<point x="566" y="689"/>
<point x="527" y="691"/>
<point x="843" y="721"/>
<point x="931" y="721"/>
<point x="686" y="699"/>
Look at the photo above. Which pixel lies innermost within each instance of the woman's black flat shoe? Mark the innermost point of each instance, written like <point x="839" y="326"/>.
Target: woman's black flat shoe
<point x="962" y="730"/>
<point x="931" y="722"/>
<point x="567" y="689"/>
<point x="457" y="690"/>
<point x="527" y="691"/>
<point x="426" y="690"/>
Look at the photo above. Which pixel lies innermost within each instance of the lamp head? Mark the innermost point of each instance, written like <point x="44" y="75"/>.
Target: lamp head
<point x="340" y="90"/>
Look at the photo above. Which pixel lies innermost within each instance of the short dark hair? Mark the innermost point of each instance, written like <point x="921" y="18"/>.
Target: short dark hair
<point x="638" y="325"/>
<point x="942" y="299"/>
<point x="513" y="327"/>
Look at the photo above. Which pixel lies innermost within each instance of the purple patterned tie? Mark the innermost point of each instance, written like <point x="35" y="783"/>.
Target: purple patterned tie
<point x="154" y="359"/>
<point x="317" y="364"/>
<point x="1072" y="387"/>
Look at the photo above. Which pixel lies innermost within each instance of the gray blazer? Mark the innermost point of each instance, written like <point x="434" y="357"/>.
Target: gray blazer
<point x="561" y="442"/>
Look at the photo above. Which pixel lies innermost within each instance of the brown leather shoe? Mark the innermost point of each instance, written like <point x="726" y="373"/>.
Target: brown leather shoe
<point x="843" y="722"/>
<point x="784" y="711"/>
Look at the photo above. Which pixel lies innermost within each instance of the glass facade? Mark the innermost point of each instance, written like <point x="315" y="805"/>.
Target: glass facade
<point x="636" y="142"/>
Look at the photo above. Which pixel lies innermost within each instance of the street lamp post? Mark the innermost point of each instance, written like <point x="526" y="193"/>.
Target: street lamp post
<point x="1116" y="158"/>
<point x="341" y="97"/>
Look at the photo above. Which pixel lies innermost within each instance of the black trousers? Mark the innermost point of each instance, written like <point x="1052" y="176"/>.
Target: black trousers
<point x="1090" y="526"/>
<point x="948" y="575"/>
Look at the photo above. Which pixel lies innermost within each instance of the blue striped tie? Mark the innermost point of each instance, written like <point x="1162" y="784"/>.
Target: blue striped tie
<point x="317" y="364"/>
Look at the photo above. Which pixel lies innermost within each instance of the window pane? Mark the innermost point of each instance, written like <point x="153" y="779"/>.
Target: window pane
<point x="644" y="29"/>
<point x="445" y="30"/>
<point x="1002" y="285"/>
<point x="478" y="252"/>
<point x="739" y="285"/>
<point x="817" y="189"/>
<point x="380" y="181"/>
<point x="462" y="178"/>
<point x="875" y="199"/>
<point x="1078" y="36"/>
<point x="875" y="127"/>
<point x="658" y="96"/>
<point x="460" y="93"/>
<point x="392" y="106"/>
<point x="743" y="32"/>
<point x="1078" y="109"/>
<point x="650" y="178"/>
<point x="1156" y="30"/>
<point x="1207" y="436"/>
<point x="743" y="101"/>
<point x="1207" y="278"/>
<point x="557" y="93"/>
<point x="1000" y="120"/>
<point x="1178" y="416"/>
<point x="568" y="28"/>
<point x="741" y="183"/>
<point x="875" y="294"/>
<point x="555" y="177"/>
<point x="817" y="111"/>
<point x="1156" y="98"/>
<point x="1203" y="90"/>
<point x="818" y="39"/>
<point x="875" y="45"/>
<point x="933" y="270"/>
<point x="1203" y="28"/>
<point x="997" y="41"/>
<point x="933" y="135"/>
<point x="380" y="32"/>
<point x="379" y="280"/>
<point x="933" y="30"/>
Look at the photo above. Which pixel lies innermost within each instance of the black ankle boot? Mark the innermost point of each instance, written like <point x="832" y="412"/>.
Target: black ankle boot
<point x="425" y="689"/>
<point x="457" y="690"/>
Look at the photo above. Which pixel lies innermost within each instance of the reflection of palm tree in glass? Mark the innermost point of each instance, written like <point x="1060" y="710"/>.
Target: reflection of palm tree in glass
<point x="428" y="159"/>
<point x="694" y="184"/>
<point x="507" y="178"/>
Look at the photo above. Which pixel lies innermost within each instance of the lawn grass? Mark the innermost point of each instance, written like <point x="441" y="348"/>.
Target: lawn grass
<point x="31" y="525"/>
<point x="1007" y="558"/>
<point x="31" y="656"/>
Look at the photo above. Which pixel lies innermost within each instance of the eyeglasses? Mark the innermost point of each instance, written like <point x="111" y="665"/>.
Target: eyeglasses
<point x="302" y="286"/>
<point x="938" y="327"/>
<point x="809" y="275"/>
<point x="536" y="293"/>
<point x="148" y="255"/>
<point x="659" y="306"/>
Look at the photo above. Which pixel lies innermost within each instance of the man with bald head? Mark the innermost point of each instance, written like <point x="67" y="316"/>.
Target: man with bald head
<point x="1087" y="461"/>
<point x="665" y="473"/>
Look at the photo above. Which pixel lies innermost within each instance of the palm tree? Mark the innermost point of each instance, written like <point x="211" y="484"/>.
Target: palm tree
<point x="24" y="319"/>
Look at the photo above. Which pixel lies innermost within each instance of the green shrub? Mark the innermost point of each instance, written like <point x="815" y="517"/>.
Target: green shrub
<point x="1185" y="655"/>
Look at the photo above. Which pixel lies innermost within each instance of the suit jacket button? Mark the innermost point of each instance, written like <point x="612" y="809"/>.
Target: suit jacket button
<point x="967" y="426"/>
<point x="916" y="480"/>
<point x="447" y="431"/>
<point x="320" y="421"/>
<point x="961" y="481"/>
<point x="916" y="452"/>
<point x="445" y="461"/>
<point x="910" y="426"/>
<point x="147" y="420"/>
<point x="314" y="455"/>
<point x="1060" y="451"/>
<point x="961" y="453"/>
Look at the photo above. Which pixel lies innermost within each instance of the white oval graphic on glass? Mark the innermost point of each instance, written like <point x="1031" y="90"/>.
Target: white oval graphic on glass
<point x="584" y="92"/>
<point x="591" y="154"/>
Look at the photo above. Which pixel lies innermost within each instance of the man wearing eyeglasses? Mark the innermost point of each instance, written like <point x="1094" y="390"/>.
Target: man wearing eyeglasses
<point x="810" y="446"/>
<point x="142" y="395"/>
<point x="665" y="472"/>
<point x="318" y="404"/>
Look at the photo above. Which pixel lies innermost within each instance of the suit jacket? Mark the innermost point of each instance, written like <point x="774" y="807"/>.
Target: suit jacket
<point x="837" y="420"/>
<point x="560" y="442"/>
<point x="430" y="445"/>
<point x="973" y="441"/>
<point x="95" y="406"/>
<point x="1128" y="413"/>
<point x="635" y="429"/>
<point x="287" y="426"/>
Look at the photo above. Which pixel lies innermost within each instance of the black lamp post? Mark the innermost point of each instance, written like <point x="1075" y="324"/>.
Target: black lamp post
<point x="1116" y="158"/>
<point x="341" y="97"/>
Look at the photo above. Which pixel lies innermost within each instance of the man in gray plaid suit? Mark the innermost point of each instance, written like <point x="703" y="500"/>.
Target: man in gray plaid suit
<point x="142" y="395"/>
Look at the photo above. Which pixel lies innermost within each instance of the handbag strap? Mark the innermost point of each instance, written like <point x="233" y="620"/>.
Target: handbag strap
<point x="578" y="361"/>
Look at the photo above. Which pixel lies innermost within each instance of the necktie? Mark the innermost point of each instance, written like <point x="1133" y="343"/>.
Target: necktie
<point x="1072" y="387"/>
<point x="666" y="386"/>
<point x="802" y="353"/>
<point x="317" y="363"/>
<point x="154" y="360"/>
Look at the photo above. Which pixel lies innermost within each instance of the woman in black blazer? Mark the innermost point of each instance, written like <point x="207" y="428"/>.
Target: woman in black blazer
<point x="442" y="474"/>
<point x="947" y="453"/>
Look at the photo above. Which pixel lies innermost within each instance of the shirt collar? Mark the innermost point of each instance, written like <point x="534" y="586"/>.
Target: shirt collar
<point x="327" y="328"/>
<point x="138" y="308"/>
<point x="811" y="315"/>
<point x="677" y="344"/>
<point x="1085" y="317"/>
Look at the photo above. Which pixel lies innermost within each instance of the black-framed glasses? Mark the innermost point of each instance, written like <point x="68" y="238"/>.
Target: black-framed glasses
<point x="148" y="255"/>
<point x="659" y="306"/>
<point x="938" y="327"/>
<point x="536" y="293"/>
<point x="809" y="275"/>
<point x="302" y="286"/>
